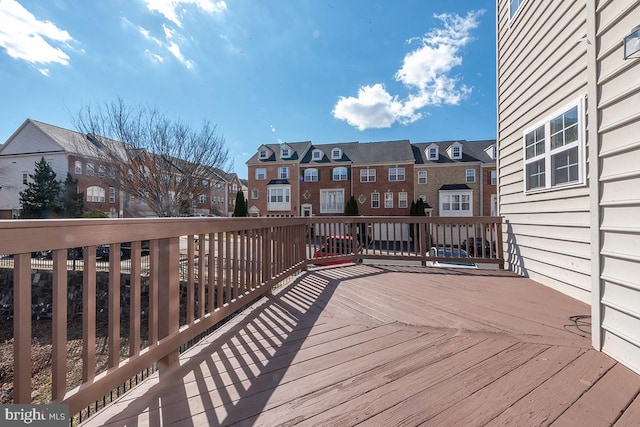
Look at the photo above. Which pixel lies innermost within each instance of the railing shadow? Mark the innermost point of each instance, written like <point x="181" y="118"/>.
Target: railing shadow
<point x="231" y="378"/>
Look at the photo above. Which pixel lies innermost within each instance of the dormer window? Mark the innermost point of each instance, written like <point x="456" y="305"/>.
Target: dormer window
<point x="336" y="153"/>
<point x="316" y="155"/>
<point x="285" y="153"/>
<point x="432" y="153"/>
<point x="263" y="154"/>
<point x="456" y="152"/>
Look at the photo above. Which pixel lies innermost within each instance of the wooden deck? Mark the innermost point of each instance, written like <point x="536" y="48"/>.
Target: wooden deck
<point x="383" y="346"/>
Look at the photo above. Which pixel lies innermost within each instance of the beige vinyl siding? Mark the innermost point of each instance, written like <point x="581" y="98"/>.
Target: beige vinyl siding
<point x="541" y="67"/>
<point x="619" y="197"/>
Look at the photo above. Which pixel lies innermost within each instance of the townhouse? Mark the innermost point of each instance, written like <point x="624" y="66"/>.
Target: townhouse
<point x="568" y="155"/>
<point x="83" y="156"/>
<point x="383" y="177"/>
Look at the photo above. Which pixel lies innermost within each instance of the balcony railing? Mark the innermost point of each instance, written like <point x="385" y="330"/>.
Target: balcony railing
<point x="196" y="273"/>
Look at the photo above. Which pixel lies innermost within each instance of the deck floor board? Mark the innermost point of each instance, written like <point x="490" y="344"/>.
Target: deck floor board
<point x="375" y="345"/>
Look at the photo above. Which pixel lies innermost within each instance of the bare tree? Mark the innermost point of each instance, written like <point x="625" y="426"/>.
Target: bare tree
<point x="163" y="162"/>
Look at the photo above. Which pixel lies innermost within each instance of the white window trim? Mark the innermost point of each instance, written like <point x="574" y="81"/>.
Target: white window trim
<point x="285" y="153"/>
<point x="258" y="174"/>
<point x="580" y="144"/>
<point x="429" y="156"/>
<point x="282" y="169"/>
<point x="396" y="174"/>
<point x="442" y="196"/>
<point x="263" y="154"/>
<point x="466" y="176"/>
<point x="333" y="151"/>
<point x="339" y="204"/>
<point x="254" y="193"/>
<point x="285" y="204"/>
<point x="494" y="177"/>
<point x="316" y="155"/>
<point x="453" y="151"/>
<point x="388" y="200"/>
<point x="367" y="174"/>
<point x="78" y="167"/>
<point x="425" y="177"/>
<point x="513" y="15"/>
<point x="339" y="177"/>
<point x="312" y="177"/>
<point x="403" y="200"/>
<point x="375" y="198"/>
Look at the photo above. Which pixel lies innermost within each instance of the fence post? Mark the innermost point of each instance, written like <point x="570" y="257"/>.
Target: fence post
<point x="22" y="328"/>
<point x="168" y="293"/>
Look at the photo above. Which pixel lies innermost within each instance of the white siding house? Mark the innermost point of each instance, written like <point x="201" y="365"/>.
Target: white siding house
<point x="569" y="157"/>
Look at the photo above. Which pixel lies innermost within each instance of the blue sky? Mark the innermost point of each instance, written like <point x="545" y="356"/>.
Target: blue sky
<point x="262" y="71"/>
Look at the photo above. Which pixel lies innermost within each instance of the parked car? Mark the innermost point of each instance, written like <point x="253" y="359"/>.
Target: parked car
<point x="102" y="251"/>
<point x="479" y="246"/>
<point x="450" y="253"/>
<point x="337" y="245"/>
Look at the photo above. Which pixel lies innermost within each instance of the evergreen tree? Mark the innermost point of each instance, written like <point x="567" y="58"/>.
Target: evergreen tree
<point x="241" y="207"/>
<point x="420" y="208"/>
<point x="71" y="202"/>
<point x="351" y="208"/>
<point x="39" y="199"/>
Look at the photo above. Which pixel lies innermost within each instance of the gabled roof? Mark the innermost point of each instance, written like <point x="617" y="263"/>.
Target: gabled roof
<point x="349" y="151"/>
<point x="299" y="151"/>
<point x="472" y="151"/>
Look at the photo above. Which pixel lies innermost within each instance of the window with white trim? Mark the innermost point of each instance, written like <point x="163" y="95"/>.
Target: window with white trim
<point x="336" y="153"/>
<point x="254" y="193"/>
<point x="279" y="198"/>
<point x="367" y="175"/>
<point x="263" y="154"/>
<point x="554" y="150"/>
<point x="316" y="155"/>
<point x="388" y="200"/>
<point x="261" y="174"/>
<point x="332" y="201"/>
<point x="285" y="153"/>
<point x="471" y="175"/>
<point x="112" y="195"/>
<point x="311" y="175"/>
<point x="95" y="194"/>
<point x="25" y="178"/>
<point x="396" y="174"/>
<point x="78" y="167"/>
<point x="514" y="5"/>
<point x="403" y="199"/>
<point x="432" y="153"/>
<point x="456" y="152"/>
<point x="422" y="177"/>
<point x="494" y="177"/>
<point x="340" y="174"/>
<point x="375" y="200"/>
<point x="102" y="171"/>
<point x="283" y="172"/>
<point x="90" y="169"/>
<point x="456" y="203"/>
<point x="202" y="198"/>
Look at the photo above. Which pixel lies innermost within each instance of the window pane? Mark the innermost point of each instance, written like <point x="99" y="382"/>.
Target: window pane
<point x="564" y="167"/>
<point x="535" y="175"/>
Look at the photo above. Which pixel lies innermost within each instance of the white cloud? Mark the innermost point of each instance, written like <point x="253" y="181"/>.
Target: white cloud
<point x="174" y="48"/>
<point x="26" y="38"/>
<point x="425" y="72"/>
<point x="272" y="128"/>
<point x="170" y="9"/>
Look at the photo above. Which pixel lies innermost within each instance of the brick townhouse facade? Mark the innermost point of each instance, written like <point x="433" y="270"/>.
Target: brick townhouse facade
<point x="71" y="152"/>
<point x="454" y="178"/>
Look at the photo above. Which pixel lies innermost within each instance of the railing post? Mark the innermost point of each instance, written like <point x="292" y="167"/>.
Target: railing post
<point x="168" y="293"/>
<point x="22" y="328"/>
<point x="499" y="247"/>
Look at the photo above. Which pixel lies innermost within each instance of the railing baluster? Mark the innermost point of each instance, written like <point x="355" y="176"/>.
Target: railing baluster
<point x="89" y="314"/>
<point x="22" y="328"/>
<point x="114" y="305"/>
<point x="134" y="298"/>
<point x="153" y="292"/>
<point x="190" y="278"/>
<point x="203" y="259"/>
<point x="59" y="326"/>
<point x="169" y="294"/>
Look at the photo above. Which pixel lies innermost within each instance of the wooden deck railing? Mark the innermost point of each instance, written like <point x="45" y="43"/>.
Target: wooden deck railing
<point x="235" y="259"/>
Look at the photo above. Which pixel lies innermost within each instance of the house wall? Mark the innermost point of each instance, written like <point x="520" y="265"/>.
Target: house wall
<point x="383" y="185"/>
<point x="488" y="190"/>
<point x="325" y="182"/>
<point x="542" y="65"/>
<point x="443" y="174"/>
<point x="261" y="186"/>
<point x="617" y="198"/>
